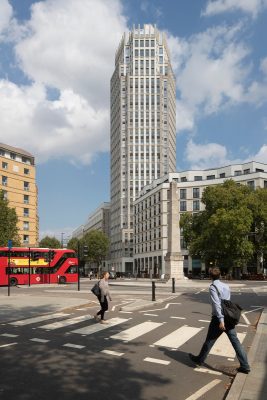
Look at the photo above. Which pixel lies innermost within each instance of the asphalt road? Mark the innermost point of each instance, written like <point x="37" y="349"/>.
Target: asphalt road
<point x="140" y="355"/>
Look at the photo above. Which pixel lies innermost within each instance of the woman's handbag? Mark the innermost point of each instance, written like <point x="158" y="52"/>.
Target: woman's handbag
<point x="96" y="289"/>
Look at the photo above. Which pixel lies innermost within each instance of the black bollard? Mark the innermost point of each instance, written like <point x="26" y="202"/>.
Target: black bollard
<point x="173" y="285"/>
<point x="153" y="291"/>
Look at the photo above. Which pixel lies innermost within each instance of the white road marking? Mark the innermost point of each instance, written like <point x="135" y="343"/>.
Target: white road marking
<point x="178" y="337"/>
<point x="33" y="320"/>
<point x="202" y="290"/>
<point x="39" y="340"/>
<point x="152" y="315"/>
<point x="156" y="361"/>
<point x="112" y="353"/>
<point x="66" y="322"/>
<point x="255" y="306"/>
<point x="203" y="320"/>
<point x="74" y="346"/>
<point x="230" y="359"/>
<point x="223" y="347"/>
<point x="201" y="392"/>
<point x="89" y="330"/>
<point x="9" y="344"/>
<point x="9" y="335"/>
<point x="126" y="312"/>
<point x="176" y="317"/>
<point x="243" y="325"/>
<point x="255" y="309"/>
<point x="245" y="318"/>
<point x="136" y="331"/>
<point x="159" y="309"/>
<point x="207" y="371"/>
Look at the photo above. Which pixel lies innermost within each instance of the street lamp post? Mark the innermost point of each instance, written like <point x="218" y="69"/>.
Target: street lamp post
<point x="62" y="240"/>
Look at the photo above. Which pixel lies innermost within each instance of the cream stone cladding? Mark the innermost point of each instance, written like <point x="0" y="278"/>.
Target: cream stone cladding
<point x="143" y="130"/>
<point x="150" y="249"/>
<point x="19" y="185"/>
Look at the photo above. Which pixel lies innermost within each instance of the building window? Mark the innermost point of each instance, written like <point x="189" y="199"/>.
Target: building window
<point x="25" y="225"/>
<point x="26" y="186"/>
<point x="183" y="179"/>
<point x="13" y="156"/>
<point x="246" y="171"/>
<point x="4" y="194"/>
<point x="182" y="193"/>
<point x="26" y="171"/>
<point x="196" y="193"/>
<point x="4" y="165"/>
<point x="210" y="177"/>
<point x="222" y="175"/>
<point x="26" y="199"/>
<point x="197" y="178"/>
<point x="25" y="238"/>
<point x="4" y="180"/>
<point x="182" y="205"/>
<point x="265" y="184"/>
<point x="25" y="212"/>
<point x="251" y="184"/>
<point x="238" y="172"/>
<point x="196" y="205"/>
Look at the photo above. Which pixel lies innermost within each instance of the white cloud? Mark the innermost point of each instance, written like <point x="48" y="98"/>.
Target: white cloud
<point x="261" y="156"/>
<point x="211" y="72"/>
<point x="253" y="7"/>
<point x="5" y="15"/>
<point x="68" y="45"/>
<point x="59" y="233"/>
<point x="202" y="156"/>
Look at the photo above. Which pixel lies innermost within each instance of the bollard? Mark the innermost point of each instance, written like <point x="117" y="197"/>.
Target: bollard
<point x="153" y="291"/>
<point x="173" y="285"/>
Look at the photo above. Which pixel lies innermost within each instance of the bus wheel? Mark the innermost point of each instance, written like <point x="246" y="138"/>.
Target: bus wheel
<point x="13" y="282"/>
<point x="62" y="279"/>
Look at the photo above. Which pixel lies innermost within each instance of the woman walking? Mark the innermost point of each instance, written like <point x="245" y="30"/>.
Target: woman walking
<point x="103" y="297"/>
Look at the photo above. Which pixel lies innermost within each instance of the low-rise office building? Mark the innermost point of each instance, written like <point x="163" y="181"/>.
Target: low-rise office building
<point x="98" y="220"/>
<point x="17" y="168"/>
<point x="153" y="212"/>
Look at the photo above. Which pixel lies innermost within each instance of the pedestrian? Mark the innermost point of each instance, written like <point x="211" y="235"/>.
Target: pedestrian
<point x="103" y="298"/>
<point x="90" y="274"/>
<point x="218" y="326"/>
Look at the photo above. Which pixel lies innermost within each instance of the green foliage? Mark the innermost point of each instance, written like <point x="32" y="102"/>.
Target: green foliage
<point x="8" y="223"/>
<point x="98" y="245"/>
<point x="221" y="234"/>
<point x="73" y="244"/>
<point x="50" y="242"/>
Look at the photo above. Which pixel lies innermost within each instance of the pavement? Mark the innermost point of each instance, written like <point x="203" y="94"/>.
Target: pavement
<point x="244" y="387"/>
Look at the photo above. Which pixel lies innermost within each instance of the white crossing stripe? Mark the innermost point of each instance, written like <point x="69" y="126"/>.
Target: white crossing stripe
<point x="223" y="347"/>
<point x="66" y="322"/>
<point x="178" y="317"/>
<point x="112" y="353"/>
<point x="156" y="361"/>
<point x="201" y="392"/>
<point x="9" y="335"/>
<point x="136" y="331"/>
<point x="207" y="371"/>
<point x="33" y="320"/>
<point x="39" y="340"/>
<point x="7" y="345"/>
<point x="152" y="315"/>
<point x="178" y="337"/>
<point x="74" y="346"/>
<point x="89" y="330"/>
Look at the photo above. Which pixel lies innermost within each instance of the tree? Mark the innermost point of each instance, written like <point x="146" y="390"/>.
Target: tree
<point x="8" y="223"/>
<point x="73" y="244"/>
<point x="220" y="234"/>
<point x="98" y="246"/>
<point x="50" y="242"/>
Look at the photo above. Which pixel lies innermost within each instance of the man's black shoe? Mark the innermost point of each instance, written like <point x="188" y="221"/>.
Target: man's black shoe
<point x="243" y="370"/>
<point x="195" y="359"/>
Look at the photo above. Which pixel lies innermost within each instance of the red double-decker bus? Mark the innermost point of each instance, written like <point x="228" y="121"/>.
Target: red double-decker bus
<point x="37" y="265"/>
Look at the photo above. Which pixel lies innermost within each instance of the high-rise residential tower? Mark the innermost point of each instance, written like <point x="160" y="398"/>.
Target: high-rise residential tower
<point x="143" y="132"/>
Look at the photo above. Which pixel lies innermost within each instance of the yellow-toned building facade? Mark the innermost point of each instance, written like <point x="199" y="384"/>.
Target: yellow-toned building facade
<point x="17" y="180"/>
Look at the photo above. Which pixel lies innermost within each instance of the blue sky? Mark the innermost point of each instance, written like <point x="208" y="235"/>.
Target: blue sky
<point x="56" y="61"/>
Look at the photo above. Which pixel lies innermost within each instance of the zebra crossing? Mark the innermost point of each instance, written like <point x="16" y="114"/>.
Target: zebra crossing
<point x="171" y="340"/>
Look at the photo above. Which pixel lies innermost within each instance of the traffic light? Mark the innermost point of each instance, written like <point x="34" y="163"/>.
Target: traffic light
<point x="85" y="251"/>
<point x="35" y="256"/>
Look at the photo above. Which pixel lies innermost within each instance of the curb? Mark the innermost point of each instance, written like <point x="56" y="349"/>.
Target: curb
<point x="240" y="380"/>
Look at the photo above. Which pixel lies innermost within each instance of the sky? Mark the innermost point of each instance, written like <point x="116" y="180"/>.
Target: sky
<point x="56" y="61"/>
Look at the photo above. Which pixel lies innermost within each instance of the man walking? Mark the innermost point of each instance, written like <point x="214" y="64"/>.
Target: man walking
<point x="217" y="325"/>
